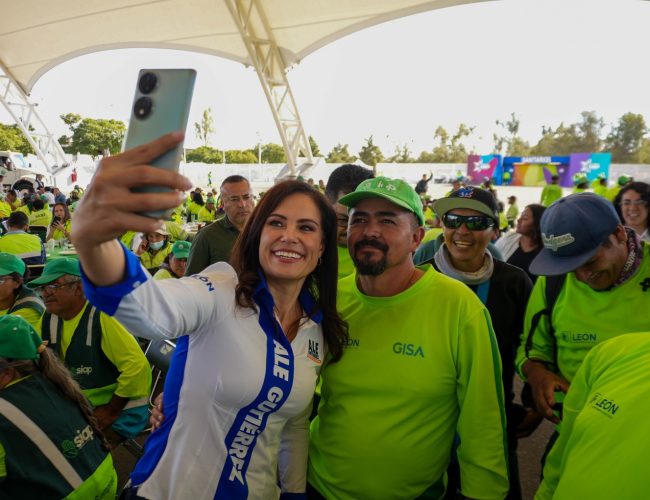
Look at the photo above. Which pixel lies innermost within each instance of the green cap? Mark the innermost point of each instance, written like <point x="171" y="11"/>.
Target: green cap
<point x="624" y="179"/>
<point x="18" y="340"/>
<point x="394" y="190"/>
<point x="181" y="249"/>
<point x="9" y="263"/>
<point x="209" y="200"/>
<point x="56" y="268"/>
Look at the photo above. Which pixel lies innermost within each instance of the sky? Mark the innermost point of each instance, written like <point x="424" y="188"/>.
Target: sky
<point x="544" y="60"/>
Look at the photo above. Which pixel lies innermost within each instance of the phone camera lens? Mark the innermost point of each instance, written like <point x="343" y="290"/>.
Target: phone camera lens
<point x="147" y="83"/>
<point x="142" y="107"/>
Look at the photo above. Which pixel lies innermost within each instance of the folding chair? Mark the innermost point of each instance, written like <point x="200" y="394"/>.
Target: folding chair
<point x="159" y="354"/>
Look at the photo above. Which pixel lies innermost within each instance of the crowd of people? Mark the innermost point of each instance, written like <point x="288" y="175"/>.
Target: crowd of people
<point x="347" y="340"/>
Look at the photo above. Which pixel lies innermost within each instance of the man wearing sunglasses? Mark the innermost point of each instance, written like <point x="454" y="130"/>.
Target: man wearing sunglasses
<point x="419" y="366"/>
<point x="469" y="218"/>
<point x="103" y="357"/>
<point x="606" y="293"/>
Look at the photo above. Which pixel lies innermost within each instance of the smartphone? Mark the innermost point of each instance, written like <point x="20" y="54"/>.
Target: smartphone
<point x="161" y="105"/>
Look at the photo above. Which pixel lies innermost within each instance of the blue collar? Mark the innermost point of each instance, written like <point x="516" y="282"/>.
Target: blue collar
<point x="262" y="296"/>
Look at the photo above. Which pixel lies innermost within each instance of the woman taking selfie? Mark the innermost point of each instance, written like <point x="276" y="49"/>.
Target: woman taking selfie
<point x="60" y="226"/>
<point x="251" y="337"/>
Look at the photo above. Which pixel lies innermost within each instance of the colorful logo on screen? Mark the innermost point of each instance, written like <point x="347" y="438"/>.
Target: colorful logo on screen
<point x="481" y="167"/>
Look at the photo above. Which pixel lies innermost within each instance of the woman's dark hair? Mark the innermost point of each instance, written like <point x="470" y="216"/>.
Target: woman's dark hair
<point x="198" y="199"/>
<point x="321" y="283"/>
<point x="53" y="369"/>
<point x="537" y="211"/>
<point x="642" y="188"/>
<point x="66" y="213"/>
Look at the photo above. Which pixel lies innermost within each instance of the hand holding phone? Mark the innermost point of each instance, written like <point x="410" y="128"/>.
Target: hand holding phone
<point x="161" y="105"/>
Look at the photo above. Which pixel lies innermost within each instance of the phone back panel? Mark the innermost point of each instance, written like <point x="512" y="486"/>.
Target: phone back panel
<point x="171" y="100"/>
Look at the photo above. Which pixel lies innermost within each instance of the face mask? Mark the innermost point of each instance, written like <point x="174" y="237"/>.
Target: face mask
<point x="157" y="245"/>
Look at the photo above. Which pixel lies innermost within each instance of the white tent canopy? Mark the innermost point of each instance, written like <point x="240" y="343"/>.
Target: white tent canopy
<point x="270" y="35"/>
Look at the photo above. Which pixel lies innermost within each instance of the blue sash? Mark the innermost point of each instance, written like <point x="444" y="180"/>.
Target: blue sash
<point x="251" y="420"/>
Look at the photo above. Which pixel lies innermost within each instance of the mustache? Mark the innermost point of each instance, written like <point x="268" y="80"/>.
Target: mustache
<point x="371" y="243"/>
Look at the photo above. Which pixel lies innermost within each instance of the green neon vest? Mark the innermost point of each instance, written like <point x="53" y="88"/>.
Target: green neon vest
<point x="89" y="366"/>
<point x="51" y="451"/>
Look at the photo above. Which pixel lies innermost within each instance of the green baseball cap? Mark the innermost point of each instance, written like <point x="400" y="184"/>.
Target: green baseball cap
<point x="9" y="263"/>
<point x="181" y="249"/>
<point x="18" y="340"/>
<point x="56" y="268"/>
<point x="394" y="190"/>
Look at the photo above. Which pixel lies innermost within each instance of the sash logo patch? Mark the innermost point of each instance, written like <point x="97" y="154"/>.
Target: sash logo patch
<point x="314" y="352"/>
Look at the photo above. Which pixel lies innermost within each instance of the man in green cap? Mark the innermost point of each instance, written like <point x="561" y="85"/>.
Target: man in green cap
<point x="420" y="365"/>
<point x="104" y="358"/>
<point x="48" y="446"/>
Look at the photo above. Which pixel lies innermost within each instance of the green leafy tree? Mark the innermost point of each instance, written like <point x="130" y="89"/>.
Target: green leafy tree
<point x="92" y="136"/>
<point x="204" y="154"/>
<point x="315" y="150"/>
<point x="241" y="156"/>
<point x="644" y="151"/>
<point x="273" y="153"/>
<point x="625" y="139"/>
<point x="449" y="148"/>
<point x="509" y="138"/>
<point x="590" y="130"/>
<point x="205" y="128"/>
<point x="340" y="154"/>
<point x="402" y="155"/>
<point x="370" y="153"/>
<point x="12" y="139"/>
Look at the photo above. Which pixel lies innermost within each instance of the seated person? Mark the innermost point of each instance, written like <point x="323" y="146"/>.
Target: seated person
<point x="175" y="263"/>
<point x="60" y="226"/>
<point x="208" y="212"/>
<point x="104" y="358"/>
<point x="50" y="447"/>
<point x="15" y="297"/>
<point x="153" y="249"/>
<point x="19" y="242"/>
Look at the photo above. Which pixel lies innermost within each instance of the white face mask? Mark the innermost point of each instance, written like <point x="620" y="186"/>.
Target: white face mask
<point x="157" y="245"/>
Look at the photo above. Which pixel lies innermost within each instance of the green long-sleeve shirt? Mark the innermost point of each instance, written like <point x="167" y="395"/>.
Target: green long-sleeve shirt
<point x="602" y="451"/>
<point x="418" y="367"/>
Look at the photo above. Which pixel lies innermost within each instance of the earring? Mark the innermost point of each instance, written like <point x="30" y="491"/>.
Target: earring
<point x="320" y="261"/>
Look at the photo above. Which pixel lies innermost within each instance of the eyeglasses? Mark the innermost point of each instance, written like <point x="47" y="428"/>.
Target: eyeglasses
<point x="472" y="222"/>
<point x="636" y="203"/>
<point x="237" y="199"/>
<point x="53" y="288"/>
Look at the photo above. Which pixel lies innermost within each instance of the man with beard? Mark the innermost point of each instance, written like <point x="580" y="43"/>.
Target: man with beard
<point x="421" y="364"/>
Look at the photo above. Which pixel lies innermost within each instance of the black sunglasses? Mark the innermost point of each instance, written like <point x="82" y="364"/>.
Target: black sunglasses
<point x="472" y="222"/>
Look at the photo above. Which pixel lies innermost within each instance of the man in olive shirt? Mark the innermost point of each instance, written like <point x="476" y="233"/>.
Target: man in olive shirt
<point x="214" y="242"/>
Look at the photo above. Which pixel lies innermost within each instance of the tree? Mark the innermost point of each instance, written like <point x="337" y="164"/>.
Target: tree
<point x="12" y="139"/>
<point x="514" y="145"/>
<point x="271" y="153"/>
<point x="204" y="154"/>
<point x="340" y="154"/>
<point x="624" y="141"/>
<point x="449" y="149"/>
<point x="241" y="156"/>
<point x="370" y="153"/>
<point x="92" y="136"/>
<point x="590" y="130"/>
<point x="205" y="128"/>
<point x="315" y="150"/>
<point x="402" y="155"/>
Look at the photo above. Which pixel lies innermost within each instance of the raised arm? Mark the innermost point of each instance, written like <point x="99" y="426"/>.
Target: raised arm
<point x="109" y="208"/>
